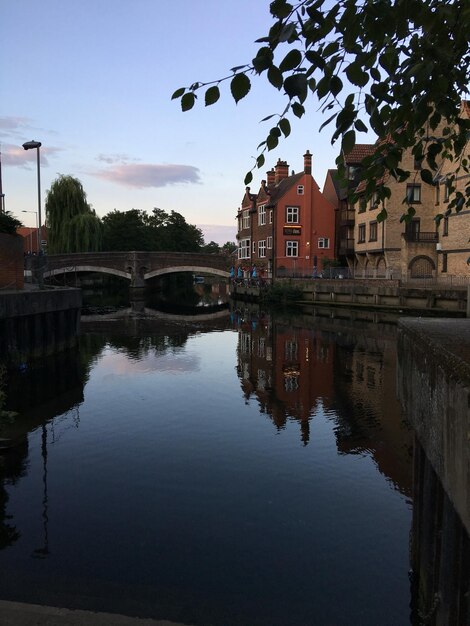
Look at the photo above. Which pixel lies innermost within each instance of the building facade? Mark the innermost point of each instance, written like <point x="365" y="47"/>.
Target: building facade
<point x="288" y="227"/>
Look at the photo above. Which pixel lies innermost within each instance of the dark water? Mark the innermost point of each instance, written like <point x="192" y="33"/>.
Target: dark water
<point x="244" y="469"/>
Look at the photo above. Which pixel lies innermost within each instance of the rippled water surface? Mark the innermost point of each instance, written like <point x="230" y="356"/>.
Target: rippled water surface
<point x="254" y="471"/>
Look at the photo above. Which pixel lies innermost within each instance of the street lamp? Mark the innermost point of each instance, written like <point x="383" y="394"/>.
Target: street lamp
<point x="31" y="145"/>
<point x="37" y="228"/>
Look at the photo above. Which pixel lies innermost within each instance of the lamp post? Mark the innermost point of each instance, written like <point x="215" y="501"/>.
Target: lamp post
<point x="31" y="145"/>
<point x="37" y="228"/>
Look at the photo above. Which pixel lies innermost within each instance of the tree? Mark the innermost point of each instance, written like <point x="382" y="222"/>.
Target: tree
<point x="229" y="247"/>
<point x="8" y="223"/>
<point x="211" y="248"/>
<point x="397" y="67"/>
<point x="126" y="230"/>
<point x="137" y="230"/>
<point x="72" y="225"/>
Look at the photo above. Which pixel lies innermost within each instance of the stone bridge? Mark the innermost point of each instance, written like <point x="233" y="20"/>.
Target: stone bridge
<point x="137" y="267"/>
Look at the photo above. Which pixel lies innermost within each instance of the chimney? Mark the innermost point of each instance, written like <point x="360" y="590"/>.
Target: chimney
<point x="307" y="163"/>
<point x="282" y="171"/>
<point x="271" y="175"/>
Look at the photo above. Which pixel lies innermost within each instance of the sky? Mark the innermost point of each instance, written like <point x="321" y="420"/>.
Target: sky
<point x="93" y="80"/>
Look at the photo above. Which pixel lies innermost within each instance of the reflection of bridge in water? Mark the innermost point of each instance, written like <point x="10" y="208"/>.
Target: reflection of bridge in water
<point x="137" y="267"/>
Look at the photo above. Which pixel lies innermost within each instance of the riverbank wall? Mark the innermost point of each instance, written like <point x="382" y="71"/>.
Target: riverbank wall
<point x="371" y="294"/>
<point x="433" y="384"/>
<point x="38" y="322"/>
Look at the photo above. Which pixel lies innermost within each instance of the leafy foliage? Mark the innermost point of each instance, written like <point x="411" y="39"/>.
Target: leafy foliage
<point x="136" y="230"/>
<point x="396" y="67"/>
<point x="8" y="223"/>
<point x="72" y="225"/>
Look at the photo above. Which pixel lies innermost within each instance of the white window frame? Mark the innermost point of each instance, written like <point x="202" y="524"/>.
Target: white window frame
<point x="246" y="219"/>
<point x="324" y="242"/>
<point x="300" y="190"/>
<point x="413" y="193"/>
<point x="271" y="216"/>
<point x="292" y="248"/>
<point x="254" y="247"/>
<point x="244" y="248"/>
<point x="262" y="249"/>
<point x="269" y="242"/>
<point x="262" y="215"/>
<point x="292" y="214"/>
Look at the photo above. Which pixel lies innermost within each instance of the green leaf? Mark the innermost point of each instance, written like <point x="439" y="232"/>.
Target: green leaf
<point x="240" y="86"/>
<point x="348" y="142"/>
<point x="360" y="126"/>
<point x="212" y="95"/>
<point x="284" y="125"/>
<point x="178" y="93"/>
<point x="187" y="101"/>
<point x="275" y="77"/>
<point x="426" y="176"/>
<point x="260" y="161"/>
<point x="280" y="8"/>
<point x="263" y="59"/>
<point x="248" y="178"/>
<point x="296" y="86"/>
<point x="291" y="61"/>
<point x="356" y="75"/>
<point x="382" y="215"/>
<point x="298" y="109"/>
<point x="336" y="84"/>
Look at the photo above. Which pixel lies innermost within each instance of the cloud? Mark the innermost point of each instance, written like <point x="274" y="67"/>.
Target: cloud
<point x="17" y="156"/>
<point x="14" y="126"/>
<point x="114" y="158"/>
<point x="148" y="175"/>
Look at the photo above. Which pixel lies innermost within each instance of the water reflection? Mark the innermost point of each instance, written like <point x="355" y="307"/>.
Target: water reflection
<point x="243" y="469"/>
<point x="296" y="366"/>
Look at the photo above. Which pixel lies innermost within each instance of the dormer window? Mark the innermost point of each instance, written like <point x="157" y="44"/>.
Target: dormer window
<point x="300" y="190"/>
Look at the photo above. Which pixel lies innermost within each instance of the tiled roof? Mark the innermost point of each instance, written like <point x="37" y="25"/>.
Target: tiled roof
<point x="341" y="190"/>
<point x="359" y="152"/>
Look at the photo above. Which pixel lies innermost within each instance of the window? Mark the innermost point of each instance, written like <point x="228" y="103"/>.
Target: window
<point x="246" y="219"/>
<point x="413" y="193"/>
<point x="352" y="172"/>
<point x="254" y="247"/>
<point x="373" y="231"/>
<point x="361" y="233"/>
<point x="244" y="249"/>
<point x="362" y="205"/>
<point x="438" y="193"/>
<point x="262" y="215"/>
<point x="292" y="215"/>
<point x="323" y="242"/>
<point x="445" y="229"/>
<point x="261" y="249"/>
<point x="292" y="248"/>
<point x="291" y="350"/>
<point x="271" y="216"/>
<point x="447" y="190"/>
<point x="269" y="242"/>
<point x="444" y="262"/>
<point x="374" y="201"/>
<point x="300" y="190"/>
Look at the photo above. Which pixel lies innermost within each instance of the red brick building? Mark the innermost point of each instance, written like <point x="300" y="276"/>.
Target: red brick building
<point x="288" y="227"/>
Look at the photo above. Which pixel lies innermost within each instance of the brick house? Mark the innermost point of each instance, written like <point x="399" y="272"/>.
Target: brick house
<point x="288" y="227"/>
<point x="453" y="254"/>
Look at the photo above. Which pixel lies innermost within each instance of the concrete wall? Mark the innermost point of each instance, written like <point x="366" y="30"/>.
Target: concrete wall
<point x="37" y="323"/>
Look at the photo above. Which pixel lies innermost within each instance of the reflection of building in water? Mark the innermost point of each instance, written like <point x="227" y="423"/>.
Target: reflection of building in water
<point x="344" y="368"/>
<point x="287" y="368"/>
<point x="368" y="412"/>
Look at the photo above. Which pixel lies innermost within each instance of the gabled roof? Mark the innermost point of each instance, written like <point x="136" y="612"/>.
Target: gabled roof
<point x="277" y="191"/>
<point x="341" y="190"/>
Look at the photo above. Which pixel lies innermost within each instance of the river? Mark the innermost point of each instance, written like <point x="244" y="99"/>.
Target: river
<point x="240" y="467"/>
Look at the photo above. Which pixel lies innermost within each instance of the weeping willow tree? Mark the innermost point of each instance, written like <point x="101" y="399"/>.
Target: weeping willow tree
<point x="72" y="225"/>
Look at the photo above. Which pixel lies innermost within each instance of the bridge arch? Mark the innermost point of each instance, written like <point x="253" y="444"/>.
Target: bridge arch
<point x="86" y="268"/>
<point x="193" y="269"/>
